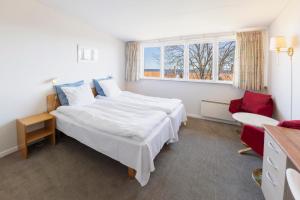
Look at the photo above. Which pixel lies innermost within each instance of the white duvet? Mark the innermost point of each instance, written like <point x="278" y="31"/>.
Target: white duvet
<point x="154" y="103"/>
<point x="116" y="119"/>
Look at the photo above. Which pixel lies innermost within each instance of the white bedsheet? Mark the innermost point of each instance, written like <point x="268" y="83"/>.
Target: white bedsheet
<point x="114" y="118"/>
<point x="128" y="99"/>
<point x="177" y="117"/>
<point x="138" y="155"/>
<point x="155" y="103"/>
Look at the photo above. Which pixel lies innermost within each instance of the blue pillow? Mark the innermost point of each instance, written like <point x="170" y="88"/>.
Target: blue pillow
<point x="98" y="87"/>
<point x="60" y="93"/>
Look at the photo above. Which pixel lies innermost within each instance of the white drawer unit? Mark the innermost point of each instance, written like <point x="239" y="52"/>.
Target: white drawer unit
<point x="274" y="165"/>
<point x="281" y="151"/>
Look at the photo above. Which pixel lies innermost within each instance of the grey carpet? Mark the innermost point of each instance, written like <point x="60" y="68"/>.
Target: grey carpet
<point x="203" y="165"/>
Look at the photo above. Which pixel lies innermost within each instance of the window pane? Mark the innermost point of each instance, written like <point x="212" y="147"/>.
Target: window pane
<point x="152" y="62"/>
<point x="174" y="61"/>
<point x="226" y="60"/>
<point x="200" y="61"/>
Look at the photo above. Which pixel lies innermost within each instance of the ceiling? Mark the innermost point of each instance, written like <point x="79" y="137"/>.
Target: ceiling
<point x="153" y="19"/>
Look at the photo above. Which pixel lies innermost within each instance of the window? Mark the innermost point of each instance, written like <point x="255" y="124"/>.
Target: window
<point x="174" y="61"/>
<point x="226" y="60"/>
<point x="207" y="59"/>
<point x="152" y="62"/>
<point x="201" y="61"/>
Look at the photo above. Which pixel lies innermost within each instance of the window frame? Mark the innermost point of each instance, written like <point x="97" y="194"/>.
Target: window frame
<point x="217" y="64"/>
<point x="186" y="42"/>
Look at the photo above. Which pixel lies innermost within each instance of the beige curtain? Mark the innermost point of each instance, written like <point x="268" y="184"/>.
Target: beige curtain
<point x="249" y="62"/>
<point x="132" y="67"/>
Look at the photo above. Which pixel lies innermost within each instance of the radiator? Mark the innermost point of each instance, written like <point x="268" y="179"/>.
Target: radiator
<point x="215" y="110"/>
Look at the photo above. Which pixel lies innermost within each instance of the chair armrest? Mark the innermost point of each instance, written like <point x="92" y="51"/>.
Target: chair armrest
<point x="235" y="105"/>
<point x="294" y="124"/>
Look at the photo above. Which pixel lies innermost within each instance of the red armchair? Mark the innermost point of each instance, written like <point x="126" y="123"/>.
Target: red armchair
<point x="254" y="137"/>
<point x="256" y="103"/>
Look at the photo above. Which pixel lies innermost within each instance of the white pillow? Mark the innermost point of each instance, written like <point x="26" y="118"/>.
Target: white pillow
<point x="110" y="87"/>
<point x="79" y="96"/>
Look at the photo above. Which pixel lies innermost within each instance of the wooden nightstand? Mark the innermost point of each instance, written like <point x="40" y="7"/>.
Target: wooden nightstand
<point x="26" y="137"/>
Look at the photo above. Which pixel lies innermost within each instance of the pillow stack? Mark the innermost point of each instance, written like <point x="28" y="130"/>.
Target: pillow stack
<point x="98" y="88"/>
<point x="74" y="94"/>
<point x="107" y="87"/>
<point x="79" y="93"/>
<point x="60" y="93"/>
<point x="79" y="96"/>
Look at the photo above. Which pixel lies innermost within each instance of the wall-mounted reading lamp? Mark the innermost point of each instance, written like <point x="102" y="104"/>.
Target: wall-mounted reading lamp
<point x="54" y="81"/>
<point x="279" y="44"/>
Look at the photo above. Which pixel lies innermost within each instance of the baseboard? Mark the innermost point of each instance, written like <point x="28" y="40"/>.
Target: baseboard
<point x="212" y="119"/>
<point x="8" y="151"/>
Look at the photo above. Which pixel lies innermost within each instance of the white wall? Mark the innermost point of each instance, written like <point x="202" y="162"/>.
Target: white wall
<point x="287" y="24"/>
<point x="190" y="92"/>
<point x="37" y="44"/>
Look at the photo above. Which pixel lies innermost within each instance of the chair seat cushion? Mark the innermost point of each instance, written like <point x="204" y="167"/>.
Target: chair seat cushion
<point x="254" y="138"/>
<point x="252" y="101"/>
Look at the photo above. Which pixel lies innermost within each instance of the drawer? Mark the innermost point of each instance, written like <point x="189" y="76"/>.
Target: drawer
<point x="274" y="165"/>
<point x="277" y="176"/>
<point x="271" y="145"/>
<point x="271" y="187"/>
<point x="273" y="155"/>
<point x="277" y="168"/>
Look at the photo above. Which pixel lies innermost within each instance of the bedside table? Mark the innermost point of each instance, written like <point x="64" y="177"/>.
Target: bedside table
<point x="25" y="137"/>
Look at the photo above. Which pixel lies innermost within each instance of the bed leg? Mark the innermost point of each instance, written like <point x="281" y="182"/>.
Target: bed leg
<point x="185" y="123"/>
<point x="131" y="173"/>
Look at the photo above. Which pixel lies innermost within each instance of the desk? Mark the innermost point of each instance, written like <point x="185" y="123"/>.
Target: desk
<point x="281" y="151"/>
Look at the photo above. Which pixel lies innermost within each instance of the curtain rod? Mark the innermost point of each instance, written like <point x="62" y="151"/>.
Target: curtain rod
<point x="205" y="35"/>
<point x="187" y="37"/>
<point x="253" y="29"/>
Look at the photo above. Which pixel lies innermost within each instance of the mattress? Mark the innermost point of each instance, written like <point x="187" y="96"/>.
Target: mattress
<point x="138" y="155"/>
<point x="167" y="105"/>
<point x="116" y="119"/>
<point x="177" y="115"/>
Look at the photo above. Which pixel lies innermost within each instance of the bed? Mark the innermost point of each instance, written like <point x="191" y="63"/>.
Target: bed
<point x="137" y="155"/>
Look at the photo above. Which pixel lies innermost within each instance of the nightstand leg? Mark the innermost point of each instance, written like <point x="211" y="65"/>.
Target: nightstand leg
<point x="24" y="152"/>
<point x="51" y="124"/>
<point x="52" y="138"/>
<point x="22" y="146"/>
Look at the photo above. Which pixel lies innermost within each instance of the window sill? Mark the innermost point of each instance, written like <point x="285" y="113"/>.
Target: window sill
<point x="192" y="81"/>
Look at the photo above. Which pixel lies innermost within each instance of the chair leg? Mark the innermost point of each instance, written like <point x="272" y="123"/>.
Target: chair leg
<point x="245" y="150"/>
<point x="246" y="145"/>
<point x="256" y="176"/>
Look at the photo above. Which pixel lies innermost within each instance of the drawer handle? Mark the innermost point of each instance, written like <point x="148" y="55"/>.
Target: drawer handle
<point x="270" y="179"/>
<point x="271" y="163"/>
<point x="271" y="145"/>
